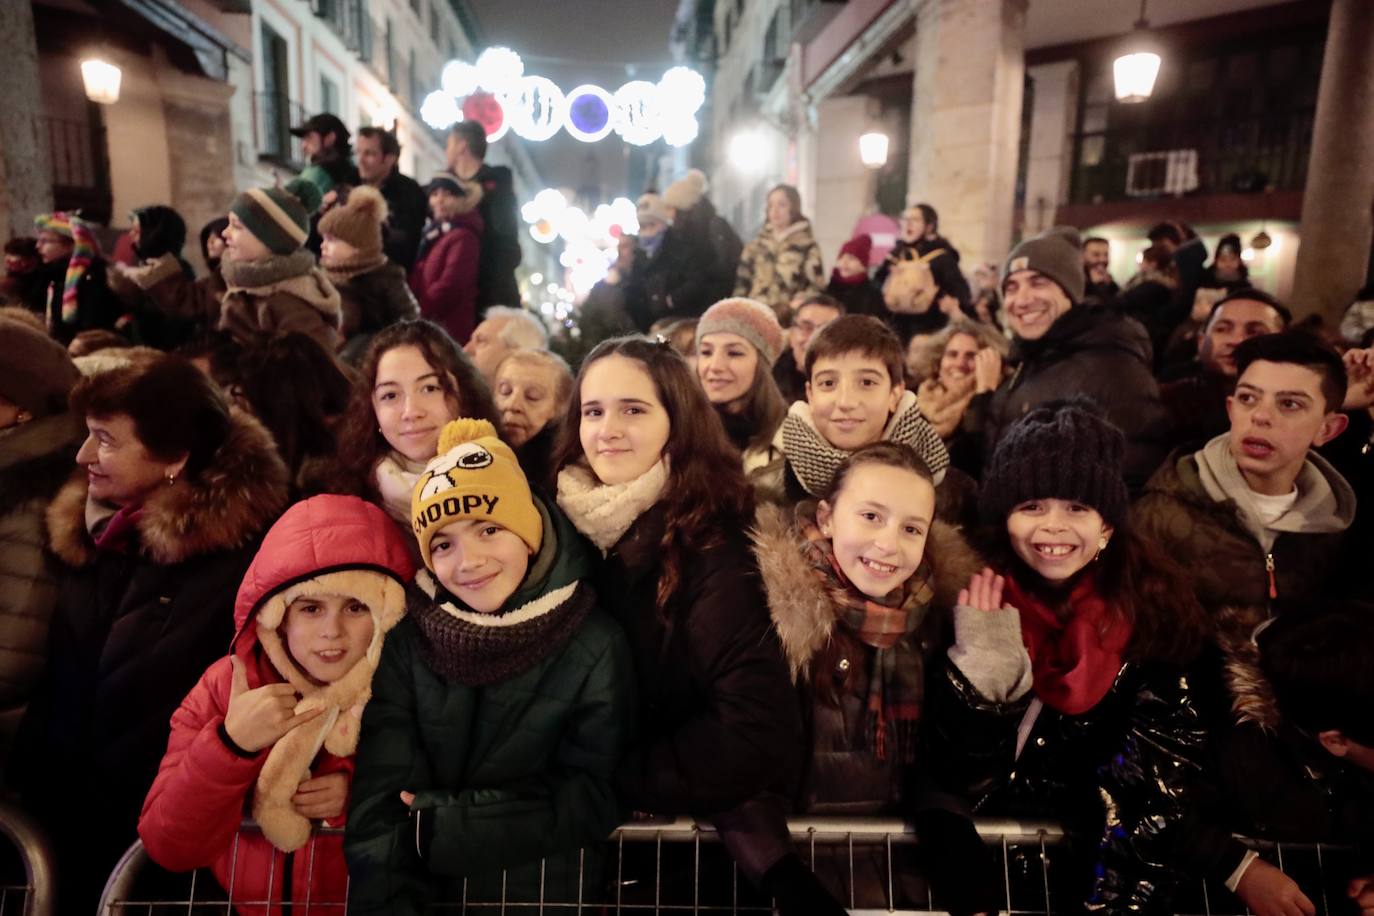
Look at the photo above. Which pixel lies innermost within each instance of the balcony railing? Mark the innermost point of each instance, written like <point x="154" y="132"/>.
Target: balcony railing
<point x="80" y="169"/>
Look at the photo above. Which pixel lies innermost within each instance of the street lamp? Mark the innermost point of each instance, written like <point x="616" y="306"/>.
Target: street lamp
<point x="748" y="151"/>
<point x="873" y="149"/>
<point x="101" y="79"/>
<point x="1135" y="69"/>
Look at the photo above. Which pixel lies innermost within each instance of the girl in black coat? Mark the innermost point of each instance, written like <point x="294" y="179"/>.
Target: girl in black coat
<point x="1062" y="695"/>
<point x="647" y="474"/>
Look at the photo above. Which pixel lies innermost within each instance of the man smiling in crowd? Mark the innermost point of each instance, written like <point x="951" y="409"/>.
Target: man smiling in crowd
<point x="1066" y="350"/>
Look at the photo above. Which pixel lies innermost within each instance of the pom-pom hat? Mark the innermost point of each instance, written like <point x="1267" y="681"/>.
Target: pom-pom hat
<point x="358" y="221"/>
<point x="474" y="476"/>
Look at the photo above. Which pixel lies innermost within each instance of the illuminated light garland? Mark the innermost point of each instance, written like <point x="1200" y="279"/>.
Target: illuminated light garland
<point x="534" y="107"/>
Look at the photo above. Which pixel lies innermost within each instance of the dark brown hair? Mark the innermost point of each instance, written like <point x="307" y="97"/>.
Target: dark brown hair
<point x="361" y="444"/>
<point x="298" y="391"/>
<point x="858" y="334"/>
<point x="1141" y="583"/>
<point x="833" y="683"/>
<point x="475" y="135"/>
<point x="176" y="409"/>
<point x="390" y="146"/>
<point x="761" y="410"/>
<point x="707" y="493"/>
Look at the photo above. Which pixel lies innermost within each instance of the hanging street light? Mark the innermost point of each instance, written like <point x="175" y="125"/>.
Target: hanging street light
<point x="1134" y="71"/>
<point x="873" y="149"/>
<point x="101" y="79"/>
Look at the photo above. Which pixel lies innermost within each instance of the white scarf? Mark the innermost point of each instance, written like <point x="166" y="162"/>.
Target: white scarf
<point x="395" y="477"/>
<point x="603" y="513"/>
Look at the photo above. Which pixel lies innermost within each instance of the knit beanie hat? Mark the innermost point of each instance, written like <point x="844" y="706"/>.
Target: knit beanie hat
<point x="1057" y="253"/>
<point x="475" y="476"/>
<point x="85" y="249"/>
<point x="36" y="373"/>
<point x="278" y="217"/>
<point x="1060" y="450"/>
<point x="860" y="246"/>
<point x="650" y="207"/>
<point x="358" y="221"/>
<point x="57" y="221"/>
<point x="687" y="191"/>
<point x="748" y="318"/>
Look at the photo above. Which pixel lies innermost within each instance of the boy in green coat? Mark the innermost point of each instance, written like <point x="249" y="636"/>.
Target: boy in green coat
<point x="499" y="708"/>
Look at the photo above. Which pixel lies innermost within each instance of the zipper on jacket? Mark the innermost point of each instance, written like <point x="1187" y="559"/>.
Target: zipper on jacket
<point x="1269" y="568"/>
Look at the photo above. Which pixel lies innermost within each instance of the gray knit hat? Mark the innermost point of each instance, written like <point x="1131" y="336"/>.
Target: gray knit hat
<point x="1060" y="450"/>
<point x="1057" y="253"/>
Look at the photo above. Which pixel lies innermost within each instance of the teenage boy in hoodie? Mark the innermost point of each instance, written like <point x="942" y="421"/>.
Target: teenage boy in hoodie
<point x="1257" y="514"/>
<point x="501" y="706"/>
<point x="272" y="727"/>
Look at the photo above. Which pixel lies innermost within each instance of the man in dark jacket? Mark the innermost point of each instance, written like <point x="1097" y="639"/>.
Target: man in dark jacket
<point x="1066" y="350"/>
<point x="697" y="227"/>
<point x="325" y="143"/>
<point x="466" y="154"/>
<point x="921" y="234"/>
<point x="1196" y="400"/>
<point x="378" y="152"/>
<point x="1097" y="274"/>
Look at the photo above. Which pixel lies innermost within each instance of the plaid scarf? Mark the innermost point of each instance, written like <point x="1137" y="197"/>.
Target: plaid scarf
<point x="896" y="678"/>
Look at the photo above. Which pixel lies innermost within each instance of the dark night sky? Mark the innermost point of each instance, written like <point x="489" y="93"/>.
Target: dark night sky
<point x="605" y="42"/>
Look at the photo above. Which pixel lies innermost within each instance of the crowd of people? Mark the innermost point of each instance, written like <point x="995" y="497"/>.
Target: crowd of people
<point x="331" y="536"/>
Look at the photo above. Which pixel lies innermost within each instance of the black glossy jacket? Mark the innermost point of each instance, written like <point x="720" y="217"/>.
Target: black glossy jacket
<point x="1123" y="772"/>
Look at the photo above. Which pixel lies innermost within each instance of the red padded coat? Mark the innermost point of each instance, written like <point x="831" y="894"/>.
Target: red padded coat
<point x="192" y="815"/>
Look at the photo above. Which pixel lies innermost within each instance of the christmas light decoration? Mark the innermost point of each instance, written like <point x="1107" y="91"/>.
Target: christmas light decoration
<point x="535" y="108"/>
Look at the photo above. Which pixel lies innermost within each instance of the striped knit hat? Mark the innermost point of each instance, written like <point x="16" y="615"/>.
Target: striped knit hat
<point x="84" y="250"/>
<point x="278" y="217"/>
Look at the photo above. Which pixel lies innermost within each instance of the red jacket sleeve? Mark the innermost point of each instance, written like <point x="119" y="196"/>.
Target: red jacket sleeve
<point x="453" y="286"/>
<point x="197" y="801"/>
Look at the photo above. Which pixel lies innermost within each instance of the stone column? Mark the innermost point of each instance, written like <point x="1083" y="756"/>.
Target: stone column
<point x="1050" y="154"/>
<point x="966" y="119"/>
<point x="1336" y="221"/>
<point x="25" y="178"/>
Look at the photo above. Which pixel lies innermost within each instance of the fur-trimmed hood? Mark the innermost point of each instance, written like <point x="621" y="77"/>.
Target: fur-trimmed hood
<point x="1252" y="696"/>
<point x="232" y="500"/>
<point x="802" y="612"/>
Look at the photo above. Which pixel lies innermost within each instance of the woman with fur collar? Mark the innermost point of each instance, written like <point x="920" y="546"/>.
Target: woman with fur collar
<point x="859" y="586"/>
<point x="154" y="534"/>
<point x="38" y="440"/>
<point x="647" y="474"/>
<point x="783" y="259"/>
<point x="272" y="727"/>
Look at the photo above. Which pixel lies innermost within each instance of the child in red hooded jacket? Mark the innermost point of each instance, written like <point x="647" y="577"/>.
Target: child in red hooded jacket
<point x="270" y="730"/>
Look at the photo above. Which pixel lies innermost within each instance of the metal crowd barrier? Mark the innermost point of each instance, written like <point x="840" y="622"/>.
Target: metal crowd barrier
<point x="33" y="894"/>
<point x="678" y="866"/>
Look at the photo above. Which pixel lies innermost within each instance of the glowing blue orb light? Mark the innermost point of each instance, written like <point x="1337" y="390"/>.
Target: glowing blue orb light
<point x="588" y="115"/>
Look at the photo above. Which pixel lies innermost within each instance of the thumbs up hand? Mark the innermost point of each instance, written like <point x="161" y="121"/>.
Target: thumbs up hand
<point x="257" y="718"/>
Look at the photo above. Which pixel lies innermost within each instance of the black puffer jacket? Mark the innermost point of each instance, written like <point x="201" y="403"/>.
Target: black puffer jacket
<point x="719" y="723"/>
<point x="1089" y="352"/>
<point x="1122" y="775"/>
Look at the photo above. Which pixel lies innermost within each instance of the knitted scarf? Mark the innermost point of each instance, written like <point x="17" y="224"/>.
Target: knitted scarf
<point x="814" y="460"/>
<point x="603" y="513"/>
<point x="266" y="271"/>
<point x="341" y="272"/>
<point x="1076" y="657"/>
<point x="465" y="647"/>
<point x="395" y="478"/>
<point x="896" y="681"/>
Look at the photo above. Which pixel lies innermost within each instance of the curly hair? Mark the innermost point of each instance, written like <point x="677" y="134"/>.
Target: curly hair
<point x="361" y="444"/>
<point x="926" y="360"/>
<point x="707" y="493"/>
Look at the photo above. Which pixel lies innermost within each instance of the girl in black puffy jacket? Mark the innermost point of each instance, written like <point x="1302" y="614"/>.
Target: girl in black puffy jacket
<point x="1062" y="696"/>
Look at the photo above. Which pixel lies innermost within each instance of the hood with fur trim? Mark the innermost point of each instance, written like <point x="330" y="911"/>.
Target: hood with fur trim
<point x="802" y="612"/>
<point x="1252" y="696"/>
<point x="232" y="500"/>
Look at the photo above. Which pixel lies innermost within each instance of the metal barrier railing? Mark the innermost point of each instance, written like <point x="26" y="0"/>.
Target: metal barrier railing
<point x="678" y="866"/>
<point x="35" y="897"/>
